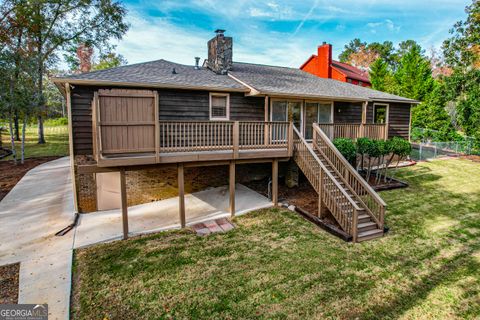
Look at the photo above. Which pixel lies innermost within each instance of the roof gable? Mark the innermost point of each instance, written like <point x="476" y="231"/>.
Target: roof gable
<point x="158" y="73"/>
<point x="351" y="71"/>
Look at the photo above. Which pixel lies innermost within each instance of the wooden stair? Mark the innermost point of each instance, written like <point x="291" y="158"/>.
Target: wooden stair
<point x="367" y="227"/>
<point x="339" y="187"/>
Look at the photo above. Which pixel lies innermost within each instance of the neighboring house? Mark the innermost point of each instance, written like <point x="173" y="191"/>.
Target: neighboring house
<point x="142" y="117"/>
<point x="322" y="65"/>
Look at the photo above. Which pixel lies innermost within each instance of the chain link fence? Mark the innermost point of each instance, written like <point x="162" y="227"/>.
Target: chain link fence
<point x="425" y="145"/>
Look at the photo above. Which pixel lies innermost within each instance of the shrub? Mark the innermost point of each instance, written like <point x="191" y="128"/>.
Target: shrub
<point x="400" y="147"/>
<point x="347" y="149"/>
<point x="363" y="144"/>
<point x="62" y="121"/>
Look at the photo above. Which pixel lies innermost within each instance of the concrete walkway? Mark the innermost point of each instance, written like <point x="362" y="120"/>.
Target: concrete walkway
<point x="156" y="216"/>
<point x="30" y="215"/>
<point x="42" y="204"/>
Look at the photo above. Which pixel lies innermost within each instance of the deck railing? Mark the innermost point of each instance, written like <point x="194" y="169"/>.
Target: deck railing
<point x="191" y="136"/>
<point x="372" y="202"/>
<point x="354" y="130"/>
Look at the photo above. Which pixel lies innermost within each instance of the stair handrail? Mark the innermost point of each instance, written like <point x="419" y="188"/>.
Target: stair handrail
<point x="333" y="201"/>
<point x="376" y="214"/>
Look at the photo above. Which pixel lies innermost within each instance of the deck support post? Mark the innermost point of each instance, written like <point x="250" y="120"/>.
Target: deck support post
<point x="232" y="188"/>
<point x="123" y="198"/>
<point x="275" y="182"/>
<point x="181" y="194"/>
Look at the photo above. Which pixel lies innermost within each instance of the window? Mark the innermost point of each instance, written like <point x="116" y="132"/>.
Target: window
<point x="349" y="80"/>
<point x="380" y="113"/>
<point x="360" y="83"/>
<point x="219" y="106"/>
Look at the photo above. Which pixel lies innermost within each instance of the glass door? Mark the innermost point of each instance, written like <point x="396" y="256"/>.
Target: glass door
<point x="311" y="116"/>
<point x="295" y="114"/>
<point x="317" y="112"/>
<point x="279" y="111"/>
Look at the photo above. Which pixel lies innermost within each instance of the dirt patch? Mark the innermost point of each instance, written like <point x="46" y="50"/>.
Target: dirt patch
<point x="381" y="185"/>
<point x="10" y="173"/>
<point x="472" y="158"/>
<point x="9" y="283"/>
<point x="303" y="196"/>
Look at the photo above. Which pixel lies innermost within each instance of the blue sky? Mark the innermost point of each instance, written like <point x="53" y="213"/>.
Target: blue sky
<point x="279" y="32"/>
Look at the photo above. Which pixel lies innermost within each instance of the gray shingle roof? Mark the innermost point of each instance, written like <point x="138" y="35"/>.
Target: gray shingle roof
<point x="295" y="82"/>
<point x="266" y="79"/>
<point x="159" y="73"/>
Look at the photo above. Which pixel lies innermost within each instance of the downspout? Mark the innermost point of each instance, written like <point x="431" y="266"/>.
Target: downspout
<point x="72" y="163"/>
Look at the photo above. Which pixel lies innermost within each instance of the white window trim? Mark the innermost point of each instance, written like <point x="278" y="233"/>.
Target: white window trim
<point x="387" y="116"/>
<point x="216" y="94"/>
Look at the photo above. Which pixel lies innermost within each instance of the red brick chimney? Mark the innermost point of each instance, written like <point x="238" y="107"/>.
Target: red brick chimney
<point x="84" y="54"/>
<point x="325" y="60"/>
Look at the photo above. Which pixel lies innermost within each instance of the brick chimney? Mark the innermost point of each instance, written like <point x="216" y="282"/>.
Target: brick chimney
<point x="220" y="53"/>
<point x="325" y="60"/>
<point x="84" y="54"/>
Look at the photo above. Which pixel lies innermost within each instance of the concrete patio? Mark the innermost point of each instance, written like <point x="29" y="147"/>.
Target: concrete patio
<point x="156" y="216"/>
<point x="42" y="204"/>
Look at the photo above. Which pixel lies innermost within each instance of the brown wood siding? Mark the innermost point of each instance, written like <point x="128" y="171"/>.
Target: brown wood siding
<point x="174" y="105"/>
<point x="347" y="112"/>
<point x="183" y="105"/>
<point x="82" y="120"/>
<point x="399" y="120"/>
<point x="246" y="108"/>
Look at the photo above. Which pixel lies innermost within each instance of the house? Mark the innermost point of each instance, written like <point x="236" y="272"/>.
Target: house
<point x="129" y="121"/>
<point x="322" y="65"/>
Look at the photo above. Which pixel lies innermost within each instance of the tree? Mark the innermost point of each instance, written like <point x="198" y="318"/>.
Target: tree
<point x="362" y="55"/>
<point x="53" y="25"/>
<point x="413" y="75"/>
<point x="109" y="60"/>
<point x="432" y="114"/>
<point x="462" y="54"/>
<point x="381" y="76"/>
<point x="352" y="47"/>
<point x="463" y="48"/>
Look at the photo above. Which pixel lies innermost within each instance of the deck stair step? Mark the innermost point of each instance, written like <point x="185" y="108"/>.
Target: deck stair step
<point x="365" y="226"/>
<point x="370" y="234"/>
<point x="362" y="218"/>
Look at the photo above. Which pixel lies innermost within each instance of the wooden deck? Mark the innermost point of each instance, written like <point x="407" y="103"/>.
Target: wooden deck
<point x="189" y="141"/>
<point x="127" y="131"/>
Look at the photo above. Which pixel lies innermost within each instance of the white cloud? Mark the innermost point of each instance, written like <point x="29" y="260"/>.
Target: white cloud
<point x="387" y="23"/>
<point x="158" y="38"/>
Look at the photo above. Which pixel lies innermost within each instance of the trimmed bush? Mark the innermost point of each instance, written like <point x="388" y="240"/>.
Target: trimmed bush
<point x="347" y="149"/>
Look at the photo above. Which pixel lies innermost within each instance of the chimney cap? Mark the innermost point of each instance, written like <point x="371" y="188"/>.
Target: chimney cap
<point x="220" y="31"/>
<point x="324" y="42"/>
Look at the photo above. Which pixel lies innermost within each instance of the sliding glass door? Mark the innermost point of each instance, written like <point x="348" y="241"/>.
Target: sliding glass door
<point x="316" y="112"/>
<point x="302" y="115"/>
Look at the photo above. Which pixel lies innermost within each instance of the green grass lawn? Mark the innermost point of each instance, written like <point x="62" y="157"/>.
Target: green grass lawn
<point x="276" y="265"/>
<point x="56" y="137"/>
